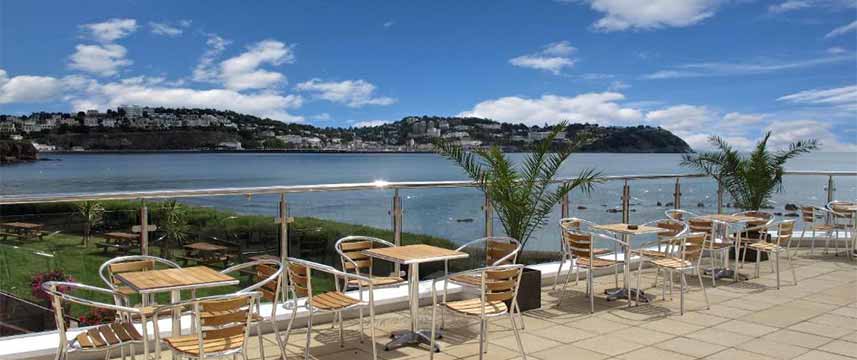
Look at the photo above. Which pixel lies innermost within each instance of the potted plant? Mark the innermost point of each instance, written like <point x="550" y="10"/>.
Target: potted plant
<point x="749" y="179"/>
<point x="522" y="195"/>
<point x="38" y="279"/>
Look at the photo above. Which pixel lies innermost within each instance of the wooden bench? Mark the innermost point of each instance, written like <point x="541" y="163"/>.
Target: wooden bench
<point x="121" y="241"/>
<point x="21" y="230"/>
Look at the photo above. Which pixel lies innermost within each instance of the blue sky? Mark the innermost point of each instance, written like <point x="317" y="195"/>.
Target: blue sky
<point x="697" y="67"/>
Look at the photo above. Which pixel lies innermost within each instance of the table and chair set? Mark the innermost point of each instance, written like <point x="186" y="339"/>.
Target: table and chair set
<point x="221" y="325"/>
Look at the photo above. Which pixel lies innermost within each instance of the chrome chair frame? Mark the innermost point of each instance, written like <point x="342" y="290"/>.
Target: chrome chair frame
<point x="198" y="328"/>
<point x="107" y="276"/>
<point x="669" y="243"/>
<point x="848" y="226"/>
<point x="697" y="266"/>
<point x="589" y="277"/>
<point x="777" y="248"/>
<point x="683" y="215"/>
<point x="564" y="253"/>
<point x="769" y="219"/>
<point x="483" y="317"/>
<point x="346" y="260"/>
<point x="512" y="256"/>
<point x="813" y="227"/>
<point x="57" y="297"/>
<point x="307" y="303"/>
<point x="275" y="277"/>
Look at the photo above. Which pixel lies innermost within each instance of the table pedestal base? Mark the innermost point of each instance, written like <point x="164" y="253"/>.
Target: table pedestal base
<point x="622" y="293"/>
<point x="408" y="337"/>
<point x="721" y="273"/>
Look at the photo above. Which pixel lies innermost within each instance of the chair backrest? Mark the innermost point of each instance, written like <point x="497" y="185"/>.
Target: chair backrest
<point x="351" y="255"/>
<point x="299" y="279"/>
<point x="499" y="250"/>
<point x="578" y="244"/>
<point x="700" y="225"/>
<point x="224" y="319"/>
<point x="785" y="231"/>
<point x="267" y="277"/>
<point x="692" y="246"/>
<point x="123" y="264"/>
<point x="807" y="214"/>
<point x="839" y="208"/>
<point x="765" y="218"/>
<point x="500" y="283"/>
<point x="675" y="227"/>
<point x="679" y="214"/>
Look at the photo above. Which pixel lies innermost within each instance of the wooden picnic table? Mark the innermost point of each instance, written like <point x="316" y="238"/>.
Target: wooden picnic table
<point x="21" y="230"/>
<point x="206" y="253"/>
<point x="119" y="240"/>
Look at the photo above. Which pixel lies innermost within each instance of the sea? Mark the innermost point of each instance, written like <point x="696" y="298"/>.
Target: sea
<point x="455" y="214"/>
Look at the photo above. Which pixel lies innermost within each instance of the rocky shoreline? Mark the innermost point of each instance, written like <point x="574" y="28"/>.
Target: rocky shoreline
<point x="13" y="152"/>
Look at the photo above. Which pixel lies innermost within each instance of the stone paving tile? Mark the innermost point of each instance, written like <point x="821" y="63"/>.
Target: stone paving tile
<point x="568" y="352"/>
<point x="746" y="328"/>
<point x="671" y="326"/>
<point x="690" y="347"/>
<point x="773" y="349"/>
<point x="797" y="338"/>
<point x="841" y="347"/>
<point x="820" y="329"/>
<point x="608" y="344"/>
<point x="821" y="355"/>
<point x="653" y="353"/>
<point x="719" y="337"/>
<point x="731" y="354"/>
<point x="643" y="336"/>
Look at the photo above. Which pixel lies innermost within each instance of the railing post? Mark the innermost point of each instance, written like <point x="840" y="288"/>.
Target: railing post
<point x="719" y="197"/>
<point x="397" y="225"/>
<point x="677" y="194"/>
<point x="489" y="216"/>
<point x="831" y="190"/>
<point x="564" y="206"/>
<point x="144" y="228"/>
<point x="284" y="228"/>
<point x="626" y="203"/>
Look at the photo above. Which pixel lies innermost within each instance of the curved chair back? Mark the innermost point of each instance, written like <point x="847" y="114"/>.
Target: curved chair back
<point x="700" y="225"/>
<point x="99" y="338"/>
<point x="692" y="246"/>
<point x="765" y="218"/>
<point x="500" y="282"/>
<point x="266" y="277"/>
<point x="110" y="268"/>
<point x="674" y="227"/>
<point x="499" y="250"/>
<point x="351" y="256"/>
<point x="785" y="230"/>
<point x="300" y="278"/>
<point x="807" y="214"/>
<point x="575" y="224"/>
<point x="839" y="209"/>
<point x="680" y="215"/>
<point x="578" y="244"/>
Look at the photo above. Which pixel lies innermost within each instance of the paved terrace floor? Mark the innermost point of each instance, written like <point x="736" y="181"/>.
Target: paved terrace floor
<point x="817" y="319"/>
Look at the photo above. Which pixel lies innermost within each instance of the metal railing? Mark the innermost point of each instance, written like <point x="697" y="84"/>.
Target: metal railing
<point x="396" y="214"/>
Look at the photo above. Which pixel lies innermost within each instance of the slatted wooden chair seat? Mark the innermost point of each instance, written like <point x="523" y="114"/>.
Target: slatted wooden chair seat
<point x="766" y="246"/>
<point x="672" y="263"/>
<point x="190" y="344"/>
<point x="654" y="253"/>
<point x="596" y="262"/>
<point x="108" y="335"/>
<point x="332" y="300"/>
<point x="474" y="307"/>
<point x="377" y="281"/>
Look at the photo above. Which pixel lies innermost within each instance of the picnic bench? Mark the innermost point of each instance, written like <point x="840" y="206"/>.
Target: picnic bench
<point x="21" y="230"/>
<point x="204" y="253"/>
<point x="121" y="241"/>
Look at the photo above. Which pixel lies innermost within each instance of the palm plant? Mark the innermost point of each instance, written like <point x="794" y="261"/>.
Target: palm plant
<point x="92" y="213"/>
<point x="174" y="223"/>
<point x="523" y="196"/>
<point x="752" y="179"/>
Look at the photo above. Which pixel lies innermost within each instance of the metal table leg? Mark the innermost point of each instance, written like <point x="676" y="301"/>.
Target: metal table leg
<point x="413" y="336"/>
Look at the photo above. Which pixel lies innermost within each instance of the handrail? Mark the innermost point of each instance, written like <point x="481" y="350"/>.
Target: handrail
<point x="376" y="185"/>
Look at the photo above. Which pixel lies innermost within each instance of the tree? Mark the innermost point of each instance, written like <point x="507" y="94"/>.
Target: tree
<point x="522" y="195"/>
<point x="92" y="213"/>
<point x="750" y="180"/>
<point x="174" y="223"/>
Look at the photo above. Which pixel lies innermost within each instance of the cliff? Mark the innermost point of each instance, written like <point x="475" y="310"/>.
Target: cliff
<point x="13" y="151"/>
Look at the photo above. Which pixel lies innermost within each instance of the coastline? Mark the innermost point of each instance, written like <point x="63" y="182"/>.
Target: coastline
<point x="298" y="151"/>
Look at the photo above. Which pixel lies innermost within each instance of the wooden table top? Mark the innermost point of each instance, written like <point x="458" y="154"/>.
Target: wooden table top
<point x="174" y="279"/>
<point x="204" y="246"/>
<point x="121" y="235"/>
<point x="731" y="219"/>
<point x="623" y="229"/>
<point x="414" y="254"/>
<point x="22" y="225"/>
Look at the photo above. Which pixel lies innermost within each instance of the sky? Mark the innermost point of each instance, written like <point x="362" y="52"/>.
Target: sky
<point x="731" y="68"/>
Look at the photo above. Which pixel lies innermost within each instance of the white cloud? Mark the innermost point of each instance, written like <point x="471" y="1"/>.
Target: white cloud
<point x="789" y="5"/>
<point x="102" y="60"/>
<point x="111" y="30"/>
<point x="27" y="88"/>
<point x="836" y="50"/>
<point x="784" y="133"/>
<point x="165" y="29"/>
<point x="600" y="108"/>
<point x="321" y="117"/>
<point x="352" y="93"/>
<point x="842" y="97"/>
<point x="389" y="24"/>
<point x="204" y="71"/>
<point x="618" y="85"/>
<point x="739" y="119"/>
<point x="844" y="29"/>
<point x="681" y="118"/>
<point x="370" y="123"/>
<point x="651" y="14"/>
<point x="553" y="58"/>
<point x="151" y="92"/>
<point x="707" y="69"/>
<point x="242" y="72"/>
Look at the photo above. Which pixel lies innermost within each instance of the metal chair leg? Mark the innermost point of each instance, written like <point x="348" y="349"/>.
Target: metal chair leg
<point x="308" y="335"/>
<point x="361" y="325"/>
<point x="683" y="286"/>
<point x="704" y="294"/>
<point x="777" y="257"/>
<point x="558" y="271"/>
<point x="518" y="337"/>
<point x="794" y="273"/>
<point x="261" y="340"/>
<point x="481" y="338"/>
<point x="591" y="291"/>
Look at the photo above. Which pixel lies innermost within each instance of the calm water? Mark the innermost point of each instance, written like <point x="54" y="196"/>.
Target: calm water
<point x="433" y="211"/>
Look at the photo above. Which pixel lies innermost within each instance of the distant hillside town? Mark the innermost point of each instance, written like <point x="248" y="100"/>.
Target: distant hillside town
<point x="129" y="128"/>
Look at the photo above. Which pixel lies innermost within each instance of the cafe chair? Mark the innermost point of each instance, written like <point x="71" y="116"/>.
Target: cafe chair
<point x="575" y="224"/>
<point x="300" y="274"/>
<point x="581" y="247"/>
<point x="119" y="333"/>
<point x="688" y="257"/>
<point x="665" y="242"/>
<point x="267" y="280"/>
<point x="680" y="215"/>
<point x="843" y="220"/>
<point x="498" y="250"/>
<point x="498" y="291"/>
<point x="221" y="326"/>
<point x="810" y="216"/>
<point x="124" y="264"/>
<point x="352" y="259"/>
<point x="717" y="241"/>
<point x="781" y="243"/>
<point x="754" y="231"/>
